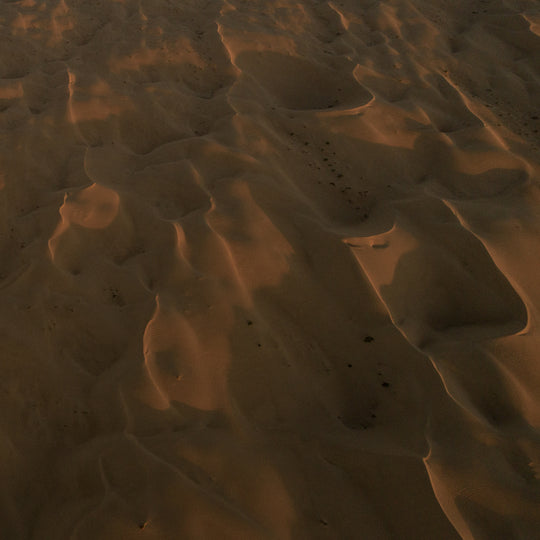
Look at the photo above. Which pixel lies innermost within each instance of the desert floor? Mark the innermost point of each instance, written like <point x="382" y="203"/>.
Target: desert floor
<point x="269" y="269"/>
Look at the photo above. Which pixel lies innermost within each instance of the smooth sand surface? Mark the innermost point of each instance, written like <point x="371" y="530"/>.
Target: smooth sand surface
<point x="269" y="269"/>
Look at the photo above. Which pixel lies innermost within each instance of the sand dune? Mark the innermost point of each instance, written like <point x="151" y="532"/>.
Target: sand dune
<point x="269" y="269"/>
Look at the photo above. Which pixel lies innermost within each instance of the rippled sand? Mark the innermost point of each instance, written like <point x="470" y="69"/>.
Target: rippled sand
<point x="269" y="269"/>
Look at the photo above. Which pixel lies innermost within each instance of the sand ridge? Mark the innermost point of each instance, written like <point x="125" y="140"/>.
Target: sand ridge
<point x="268" y="269"/>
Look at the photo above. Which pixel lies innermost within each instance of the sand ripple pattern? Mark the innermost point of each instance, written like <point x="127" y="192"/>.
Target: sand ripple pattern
<point x="269" y="269"/>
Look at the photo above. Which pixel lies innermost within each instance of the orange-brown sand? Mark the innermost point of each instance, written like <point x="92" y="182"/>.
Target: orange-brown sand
<point x="269" y="269"/>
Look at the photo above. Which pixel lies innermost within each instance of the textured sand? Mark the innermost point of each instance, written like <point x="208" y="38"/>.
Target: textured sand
<point x="269" y="269"/>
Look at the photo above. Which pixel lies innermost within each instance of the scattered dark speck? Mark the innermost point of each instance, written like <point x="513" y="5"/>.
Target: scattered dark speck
<point x="249" y="323"/>
<point x="385" y="384"/>
<point x="349" y="365"/>
<point x="368" y="339"/>
<point x="324" y="522"/>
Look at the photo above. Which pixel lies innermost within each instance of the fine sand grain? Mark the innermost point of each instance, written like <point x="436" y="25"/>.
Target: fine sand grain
<point x="269" y="269"/>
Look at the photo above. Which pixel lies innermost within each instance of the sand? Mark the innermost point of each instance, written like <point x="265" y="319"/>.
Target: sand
<point x="269" y="269"/>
